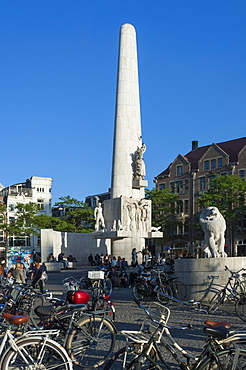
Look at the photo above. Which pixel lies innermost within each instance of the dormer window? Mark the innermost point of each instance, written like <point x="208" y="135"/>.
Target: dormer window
<point x="179" y="170"/>
<point x="206" y="165"/>
<point x="213" y="164"/>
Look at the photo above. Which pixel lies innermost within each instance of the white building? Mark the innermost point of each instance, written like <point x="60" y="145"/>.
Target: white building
<point x="37" y="190"/>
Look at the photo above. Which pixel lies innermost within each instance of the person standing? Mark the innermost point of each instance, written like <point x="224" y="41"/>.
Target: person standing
<point x="134" y="257"/>
<point x="91" y="260"/>
<point x="1" y="271"/>
<point x="36" y="275"/>
<point x="19" y="273"/>
<point x="145" y="253"/>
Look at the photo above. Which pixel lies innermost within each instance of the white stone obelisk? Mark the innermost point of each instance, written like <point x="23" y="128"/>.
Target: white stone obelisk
<point x="127" y="134"/>
<point x="127" y="214"/>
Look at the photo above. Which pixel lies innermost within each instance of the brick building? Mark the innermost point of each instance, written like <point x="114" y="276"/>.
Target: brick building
<point x="189" y="175"/>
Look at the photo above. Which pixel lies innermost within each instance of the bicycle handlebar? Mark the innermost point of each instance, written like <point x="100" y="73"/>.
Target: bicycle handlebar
<point x="234" y="272"/>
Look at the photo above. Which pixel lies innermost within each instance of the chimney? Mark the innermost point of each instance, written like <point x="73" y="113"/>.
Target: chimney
<point x="194" y="144"/>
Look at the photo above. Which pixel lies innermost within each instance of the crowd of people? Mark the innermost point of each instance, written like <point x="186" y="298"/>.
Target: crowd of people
<point x="19" y="273"/>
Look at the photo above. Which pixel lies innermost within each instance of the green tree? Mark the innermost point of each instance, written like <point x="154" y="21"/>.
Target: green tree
<point x="78" y="216"/>
<point x="164" y="205"/>
<point x="227" y="193"/>
<point x="22" y="225"/>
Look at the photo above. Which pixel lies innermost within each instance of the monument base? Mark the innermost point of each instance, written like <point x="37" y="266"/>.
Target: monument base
<point x="205" y="276"/>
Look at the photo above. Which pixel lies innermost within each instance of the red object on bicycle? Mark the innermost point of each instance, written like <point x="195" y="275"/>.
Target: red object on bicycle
<point x="78" y="296"/>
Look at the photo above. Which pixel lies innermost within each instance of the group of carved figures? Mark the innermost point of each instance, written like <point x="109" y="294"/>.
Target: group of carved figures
<point x="137" y="215"/>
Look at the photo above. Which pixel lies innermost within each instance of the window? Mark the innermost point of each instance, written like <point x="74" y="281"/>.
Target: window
<point x="11" y="207"/>
<point x="186" y="185"/>
<point x="223" y="173"/>
<point x="202" y="183"/>
<point x="219" y="162"/>
<point x="180" y="206"/>
<point x="179" y="170"/>
<point x="213" y="164"/>
<point x="162" y="186"/>
<point x="206" y="165"/>
<point x="186" y="206"/>
<point x="241" y="174"/>
<point x="40" y="203"/>
<point x="179" y="229"/>
<point x="179" y="187"/>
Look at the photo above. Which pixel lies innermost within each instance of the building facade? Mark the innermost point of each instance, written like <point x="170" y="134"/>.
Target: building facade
<point x="190" y="175"/>
<point x="37" y="190"/>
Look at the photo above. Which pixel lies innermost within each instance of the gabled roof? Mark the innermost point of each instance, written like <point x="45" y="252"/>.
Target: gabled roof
<point x="232" y="148"/>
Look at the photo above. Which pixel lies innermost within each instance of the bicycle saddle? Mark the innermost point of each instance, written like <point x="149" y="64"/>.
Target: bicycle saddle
<point x="219" y="331"/>
<point x="14" y="319"/>
<point x="213" y="324"/>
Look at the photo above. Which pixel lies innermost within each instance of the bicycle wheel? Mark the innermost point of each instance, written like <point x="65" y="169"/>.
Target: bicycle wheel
<point x="240" y="307"/>
<point x="241" y="287"/>
<point x="216" y="300"/>
<point x="121" y="359"/>
<point x="101" y="303"/>
<point x="34" y="319"/>
<point x="36" y="353"/>
<point x="139" y="291"/>
<point x="166" y="289"/>
<point x="91" y="342"/>
<point x="107" y="286"/>
<point x="96" y="289"/>
<point x="179" y="289"/>
<point x="227" y="360"/>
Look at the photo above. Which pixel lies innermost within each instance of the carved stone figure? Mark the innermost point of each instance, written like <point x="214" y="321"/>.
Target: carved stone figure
<point x="139" y="172"/>
<point x="155" y="229"/>
<point x="98" y="215"/>
<point x="214" y="226"/>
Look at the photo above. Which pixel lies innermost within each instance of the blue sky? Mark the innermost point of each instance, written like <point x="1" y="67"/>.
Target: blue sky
<point x="58" y="70"/>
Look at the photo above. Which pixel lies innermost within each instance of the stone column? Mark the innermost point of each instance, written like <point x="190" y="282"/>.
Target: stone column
<point x="127" y="131"/>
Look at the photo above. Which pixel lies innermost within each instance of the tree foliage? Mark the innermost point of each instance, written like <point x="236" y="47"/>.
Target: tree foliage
<point x="227" y="193"/>
<point x="77" y="217"/>
<point x="164" y="204"/>
<point x="24" y="221"/>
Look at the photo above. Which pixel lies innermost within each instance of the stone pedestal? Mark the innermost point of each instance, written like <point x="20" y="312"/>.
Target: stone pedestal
<point x="204" y="276"/>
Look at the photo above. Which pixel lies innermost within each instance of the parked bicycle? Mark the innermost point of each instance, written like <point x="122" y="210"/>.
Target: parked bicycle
<point x="100" y="283"/>
<point x="234" y="289"/>
<point x="179" y="289"/>
<point x="144" y="347"/>
<point x="147" y="290"/>
<point x="32" y="350"/>
<point x="22" y="299"/>
<point x="88" y="336"/>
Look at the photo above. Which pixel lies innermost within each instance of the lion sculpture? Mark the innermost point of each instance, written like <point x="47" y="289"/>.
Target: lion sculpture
<point x="214" y="226"/>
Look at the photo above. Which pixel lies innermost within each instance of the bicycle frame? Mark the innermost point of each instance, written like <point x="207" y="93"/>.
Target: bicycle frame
<point x="14" y="343"/>
<point x="212" y="349"/>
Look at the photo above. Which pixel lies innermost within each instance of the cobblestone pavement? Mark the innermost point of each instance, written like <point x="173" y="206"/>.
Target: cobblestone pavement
<point x="129" y="316"/>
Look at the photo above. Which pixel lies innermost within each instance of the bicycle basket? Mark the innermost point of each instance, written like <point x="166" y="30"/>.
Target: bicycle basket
<point x="148" y="327"/>
<point x="95" y="275"/>
<point x="159" y="313"/>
